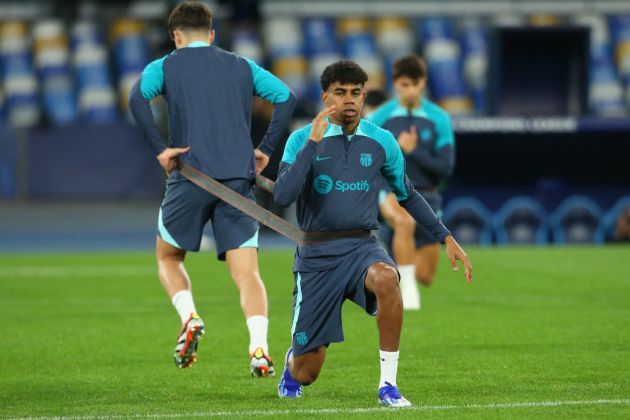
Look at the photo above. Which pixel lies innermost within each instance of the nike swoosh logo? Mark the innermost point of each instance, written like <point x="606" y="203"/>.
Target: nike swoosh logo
<point x="319" y="158"/>
<point x="382" y="360"/>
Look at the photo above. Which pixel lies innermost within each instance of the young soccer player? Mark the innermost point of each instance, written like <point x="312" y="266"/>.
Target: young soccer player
<point x="209" y="95"/>
<point x="425" y="135"/>
<point x="330" y="167"/>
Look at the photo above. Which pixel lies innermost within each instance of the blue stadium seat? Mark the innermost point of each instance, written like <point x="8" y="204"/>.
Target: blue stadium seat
<point x="475" y="62"/>
<point x="521" y="220"/>
<point x="620" y="29"/>
<point x="52" y="58"/>
<point x="131" y="52"/>
<point x="19" y="80"/>
<point x="469" y="221"/>
<point x="605" y="93"/>
<point x="443" y="56"/>
<point x="97" y="97"/>
<point x="610" y="219"/>
<point x="360" y="46"/>
<point x="285" y="45"/>
<point x="321" y="48"/>
<point x="577" y="220"/>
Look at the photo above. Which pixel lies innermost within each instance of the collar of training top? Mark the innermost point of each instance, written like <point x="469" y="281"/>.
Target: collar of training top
<point x="198" y="44"/>
<point x="337" y="130"/>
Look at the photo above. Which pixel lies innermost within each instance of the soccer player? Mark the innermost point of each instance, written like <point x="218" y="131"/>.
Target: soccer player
<point x="425" y="135"/>
<point x="209" y="94"/>
<point x="330" y="167"/>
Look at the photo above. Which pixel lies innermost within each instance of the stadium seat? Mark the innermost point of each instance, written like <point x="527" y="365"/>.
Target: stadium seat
<point x="246" y="43"/>
<point x="610" y="219"/>
<point x="475" y="59"/>
<point x="285" y="46"/>
<point x="19" y="80"/>
<point x="443" y="56"/>
<point x="96" y="95"/>
<point x="469" y="221"/>
<point x="131" y="53"/>
<point x="521" y="220"/>
<point x="620" y="28"/>
<point x="605" y="93"/>
<point x="321" y="48"/>
<point x="52" y="53"/>
<point x="577" y="220"/>
<point x="359" y="45"/>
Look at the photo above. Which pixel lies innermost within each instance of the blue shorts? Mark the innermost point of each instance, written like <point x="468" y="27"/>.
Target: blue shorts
<point x="319" y="295"/>
<point x="186" y="209"/>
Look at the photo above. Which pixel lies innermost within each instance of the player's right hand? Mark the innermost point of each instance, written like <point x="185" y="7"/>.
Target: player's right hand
<point x="169" y="158"/>
<point x="320" y="123"/>
<point x="408" y="140"/>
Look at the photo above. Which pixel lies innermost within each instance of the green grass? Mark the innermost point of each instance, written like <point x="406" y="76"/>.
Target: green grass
<point x="92" y="335"/>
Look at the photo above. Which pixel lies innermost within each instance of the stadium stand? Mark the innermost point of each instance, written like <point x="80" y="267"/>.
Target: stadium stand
<point x="469" y="220"/>
<point x="521" y="221"/>
<point x="577" y="220"/>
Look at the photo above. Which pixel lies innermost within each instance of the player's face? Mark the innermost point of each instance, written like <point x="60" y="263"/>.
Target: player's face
<point x="408" y="90"/>
<point x="348" y="99"/>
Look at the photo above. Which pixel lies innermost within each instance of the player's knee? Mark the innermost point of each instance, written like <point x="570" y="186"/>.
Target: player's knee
<point x="425" y="280"/>
<point x="405" y="223"/>
<point x="425" y="275"/>
<point x="306" y="375"/>
<point x="386" y="281"/>
<point x="246" y="278"/>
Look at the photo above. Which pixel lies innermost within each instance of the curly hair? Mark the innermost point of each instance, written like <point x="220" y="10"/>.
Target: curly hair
<point x="344" y="72"/>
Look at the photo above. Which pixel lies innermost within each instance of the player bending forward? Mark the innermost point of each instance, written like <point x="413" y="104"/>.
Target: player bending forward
<point x="330" y="168"/>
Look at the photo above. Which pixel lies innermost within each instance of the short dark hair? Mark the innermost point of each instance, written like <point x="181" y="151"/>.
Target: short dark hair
<point x="412" y="66"/>
<point x="190" y="16"/>
<point x="343" y="71"/>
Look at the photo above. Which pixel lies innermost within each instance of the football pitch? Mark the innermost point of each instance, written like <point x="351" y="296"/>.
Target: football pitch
<point x="541" y="332"/>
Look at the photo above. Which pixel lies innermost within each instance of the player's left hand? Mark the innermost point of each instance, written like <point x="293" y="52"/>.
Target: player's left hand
<point x="261" y="161"/>
<point x="455" y="252"/>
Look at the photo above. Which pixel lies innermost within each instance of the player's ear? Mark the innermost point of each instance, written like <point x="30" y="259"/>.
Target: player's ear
<point x="177" y="38"/>
<point x="211" y="40"/>
<point x="324" y="96"/>
<point x="423" y="83"/>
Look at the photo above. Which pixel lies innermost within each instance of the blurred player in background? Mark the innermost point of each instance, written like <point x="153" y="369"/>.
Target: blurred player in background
<point x="209" y="95"/>
<point x="331" y="168"/>
<point x="425" y="135"/>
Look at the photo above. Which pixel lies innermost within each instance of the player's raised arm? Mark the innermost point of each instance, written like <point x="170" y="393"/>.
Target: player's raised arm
<point x="296" y="161"/>
<point x="441" y="160"/>
<point x="149" y="85"/>
<point x="394" y="172"/>
<point x="273" y="90"/>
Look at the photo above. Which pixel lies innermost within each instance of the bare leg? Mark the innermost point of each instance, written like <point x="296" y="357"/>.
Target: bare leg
<point x="426" y="260"/>
<point x="305" y="368"/>
<point x="170" y="261"/>
<point x="403" y="243"/>
<point x="382" y="280"/>
<point x="243" y="266"/>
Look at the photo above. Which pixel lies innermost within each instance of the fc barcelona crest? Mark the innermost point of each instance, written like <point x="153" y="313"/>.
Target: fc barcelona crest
<point x="366" y="159"/>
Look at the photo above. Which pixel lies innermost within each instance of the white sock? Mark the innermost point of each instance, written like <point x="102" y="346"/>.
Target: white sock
<point x="409" y="287"/>
<point x="389" y="367"/>
<point x="184" y="305"/>
<point x="257" y="326"/>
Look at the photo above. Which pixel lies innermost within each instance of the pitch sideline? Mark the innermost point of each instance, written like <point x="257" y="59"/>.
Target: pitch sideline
<point x="314" y="411"/>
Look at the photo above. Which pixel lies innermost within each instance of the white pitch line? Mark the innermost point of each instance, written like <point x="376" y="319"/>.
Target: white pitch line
<point x="334" y="410"/>
<point x="74" y="271"/>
